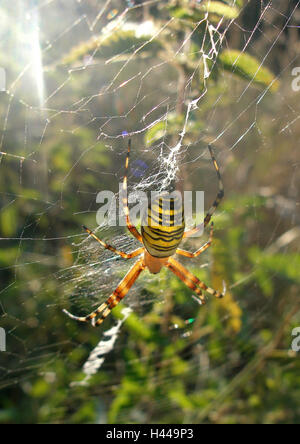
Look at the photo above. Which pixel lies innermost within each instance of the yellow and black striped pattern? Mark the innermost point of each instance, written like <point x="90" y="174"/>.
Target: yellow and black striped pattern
<point x="163" y="225"/>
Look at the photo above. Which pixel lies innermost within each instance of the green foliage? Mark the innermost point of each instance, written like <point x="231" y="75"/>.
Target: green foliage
<point x="120" y="43"/>
<point x="184" y="10"/>
<point x="124" y="41"/>
<point x="249" y="68"/>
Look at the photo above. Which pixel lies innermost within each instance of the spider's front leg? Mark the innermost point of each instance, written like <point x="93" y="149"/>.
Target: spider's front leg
<point x="130" y="226"/>
<point x="216" y="203"/>
<point x="120" y="292"/>
<point x="114" y="250"/>
<point x="202" y="249"/>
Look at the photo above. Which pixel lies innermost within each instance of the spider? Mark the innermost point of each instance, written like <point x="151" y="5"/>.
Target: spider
<point x="160" y="243"/>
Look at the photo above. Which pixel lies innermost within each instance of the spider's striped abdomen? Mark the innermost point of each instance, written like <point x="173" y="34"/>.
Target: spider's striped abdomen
<point x="163" y="226"/>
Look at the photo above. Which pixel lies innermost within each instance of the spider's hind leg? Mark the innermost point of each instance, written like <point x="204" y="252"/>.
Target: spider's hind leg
<point x="120" y="292"/>
<point x="192" y="281"/>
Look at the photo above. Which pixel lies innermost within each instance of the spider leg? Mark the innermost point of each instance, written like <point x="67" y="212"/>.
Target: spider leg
<point x="114" y="250"/>
<point x="130" y="226"/>
<point x="216" y="203"/>
<point x="189" y="277"/>
<point x="120" y="292"/>
<point x="187" y="282"/>
<point x="201" y="250"/>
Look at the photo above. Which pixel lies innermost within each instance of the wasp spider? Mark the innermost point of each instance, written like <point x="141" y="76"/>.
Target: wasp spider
<point x="160" y="243"/>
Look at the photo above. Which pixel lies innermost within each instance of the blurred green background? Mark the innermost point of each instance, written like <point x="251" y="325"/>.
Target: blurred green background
<point x="79" y="76"/>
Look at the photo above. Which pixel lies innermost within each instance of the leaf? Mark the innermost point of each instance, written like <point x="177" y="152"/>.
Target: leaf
<point x="218" y="8"/>
<point x="239" y="3"/>
<point x="248" y="67"/>
<point x="8" y="220"/>
<point x="119" y="41"/>
<point x="155" y="133"/>
<point x="198" y="12"/>
<point x="158" y="131"/>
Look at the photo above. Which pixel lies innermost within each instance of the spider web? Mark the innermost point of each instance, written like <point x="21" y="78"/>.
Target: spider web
<point x="83" y="77"/>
